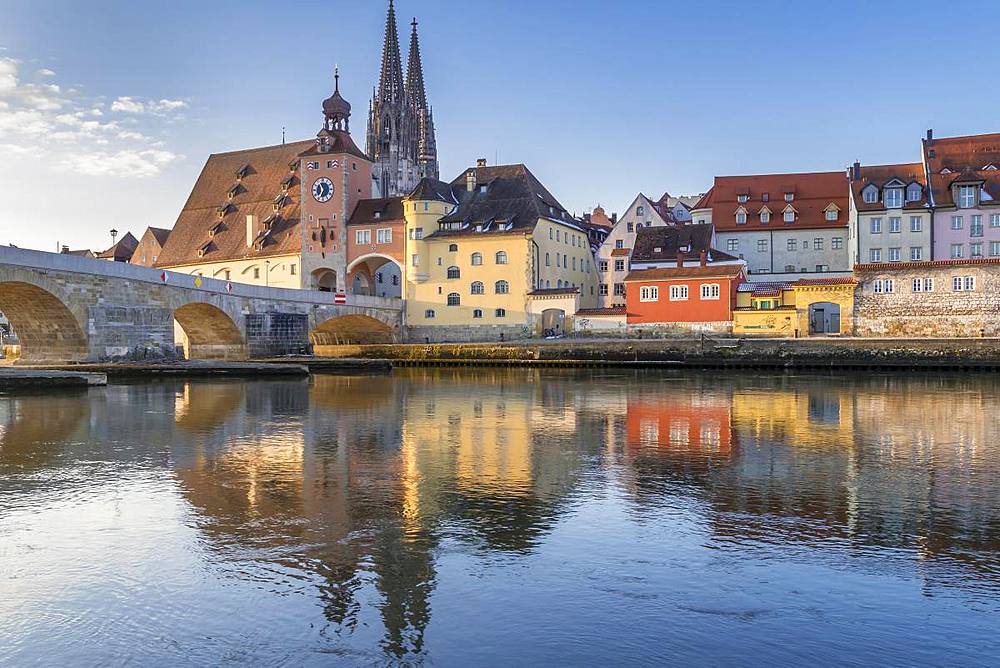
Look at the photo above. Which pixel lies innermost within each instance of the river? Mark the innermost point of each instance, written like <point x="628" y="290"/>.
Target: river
<point x="504" y="517"/>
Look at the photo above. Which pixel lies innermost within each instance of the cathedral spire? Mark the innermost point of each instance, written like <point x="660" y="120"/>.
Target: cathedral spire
<point x="390" y="85"/>
<point x="415" y="72"/>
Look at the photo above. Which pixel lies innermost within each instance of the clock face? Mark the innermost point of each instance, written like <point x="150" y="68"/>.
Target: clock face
<point x="323" y="189"/>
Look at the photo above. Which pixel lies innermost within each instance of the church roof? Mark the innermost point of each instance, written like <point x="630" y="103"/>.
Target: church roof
<point x="214" y="224"/>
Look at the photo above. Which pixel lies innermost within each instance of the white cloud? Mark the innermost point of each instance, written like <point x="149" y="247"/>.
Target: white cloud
<point x="66" y="130"/>
<point x="131" y="105"/>
<point x="8" y="74"/>
<point x="128" y="105"/>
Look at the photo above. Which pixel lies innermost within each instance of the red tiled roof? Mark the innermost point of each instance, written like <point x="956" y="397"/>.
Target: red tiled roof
<point x="597" y="312"/>
<point x="267" y="168"/>
<point x="879" y="175"/>
<point x="618" y="252"/>
<point x="664" y="273"/>
<point x="833" y="280"/>
<point x="929" y="264"/>
<point x="706" y="200"/>
<point x="814" y="192"/>
<point x="964" y="158"/>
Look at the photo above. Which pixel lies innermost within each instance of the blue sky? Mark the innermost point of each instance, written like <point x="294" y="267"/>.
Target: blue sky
<point x="109" y="109"/>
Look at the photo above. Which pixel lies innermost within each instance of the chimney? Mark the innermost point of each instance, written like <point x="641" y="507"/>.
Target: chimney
<point x="470" y="180"/>
<point x="614" y="218"/>
<point x="481" y="162"/>
<point x="251" y="230"/>
<point x="930" y="135"/>
<point x="65" y="249"/>
<point x="680" y="258"/>
<point x="703" y="258"/>
<point x="856" y="171"/>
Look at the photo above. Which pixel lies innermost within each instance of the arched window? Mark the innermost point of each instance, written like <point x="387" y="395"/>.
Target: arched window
<point x="478" y="288"/>
<point x="559" y="283"/>
<point x="548" y="260"/>
<point x="502" y="287"/>
<point x="501" y="257"/>
<point x="477" y="259"/>
<point x="454" y="299"/>
<point x="478" y="313"/>
<point x="501" y="313"/>
<point x="454" y="272"/>
<point x="453" y="248"/>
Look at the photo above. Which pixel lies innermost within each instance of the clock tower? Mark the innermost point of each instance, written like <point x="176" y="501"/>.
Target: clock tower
<point x="334" y="174"/>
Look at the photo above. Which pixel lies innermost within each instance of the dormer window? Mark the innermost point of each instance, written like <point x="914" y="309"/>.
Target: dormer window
<point x="789" y="196"/>
<point x="788" y="215"/>
<point x="215" y="229"/>
<point x="990" y="168"/>
<point x="967" y="196"/>
<point x="831" y="214"/>
<point x="893" y="198"/>
<point x="764" y="197"/>
<point x="743" y="199"/>
<point x="913" y="192"/>
<point x="741" y="217"/>
<point x="870" y="194"/>
<point x="242" y="171"/>
<point x="377" y="215"/>
<point x="765" y="216"/>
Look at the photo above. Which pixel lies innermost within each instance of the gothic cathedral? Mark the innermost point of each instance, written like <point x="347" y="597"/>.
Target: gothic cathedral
<point x="400" y="122"/>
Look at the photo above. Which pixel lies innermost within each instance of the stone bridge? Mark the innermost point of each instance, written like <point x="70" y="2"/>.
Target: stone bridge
<point x="71" y="309"/>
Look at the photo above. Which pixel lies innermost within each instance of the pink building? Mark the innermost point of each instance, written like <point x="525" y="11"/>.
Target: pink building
<point x="964" y="177"/>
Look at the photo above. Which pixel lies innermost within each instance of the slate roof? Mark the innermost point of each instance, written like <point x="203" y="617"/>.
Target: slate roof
<point x="813" y="193"/>
<point x="428" y="189"/>
<point x="512" y="196"/>
<point x="266" y="173"/>
<point x="879" y="175"/>
<point x="389" y="209"/>
<point x="965" y="159"/>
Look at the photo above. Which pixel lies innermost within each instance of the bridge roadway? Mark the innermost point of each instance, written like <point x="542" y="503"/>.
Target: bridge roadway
<point x="70" y="309"/>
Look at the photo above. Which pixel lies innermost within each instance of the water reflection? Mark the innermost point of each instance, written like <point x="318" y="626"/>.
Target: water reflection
<point x="392" y="502"/>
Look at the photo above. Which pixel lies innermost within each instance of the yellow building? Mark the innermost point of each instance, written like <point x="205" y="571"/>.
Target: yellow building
<point x="493" y="255"/>
<point x="808" y="307"/>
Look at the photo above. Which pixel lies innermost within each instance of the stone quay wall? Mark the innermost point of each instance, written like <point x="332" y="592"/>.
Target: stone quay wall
<point x="941" y="312"/>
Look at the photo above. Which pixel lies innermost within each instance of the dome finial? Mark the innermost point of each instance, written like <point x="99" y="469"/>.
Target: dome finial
<point x="336" y="78"/>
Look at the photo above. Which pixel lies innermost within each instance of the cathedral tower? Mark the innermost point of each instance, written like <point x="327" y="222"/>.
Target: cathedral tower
<point x="401" y="139"/>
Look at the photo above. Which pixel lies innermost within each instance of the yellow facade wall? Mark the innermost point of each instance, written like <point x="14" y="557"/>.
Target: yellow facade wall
<point x="841" y="295"/>
<point x="765" y="322"/>
<point x="282" y="271"/>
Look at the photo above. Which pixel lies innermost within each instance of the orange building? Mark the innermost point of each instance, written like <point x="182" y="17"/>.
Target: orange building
<point x="701" y="298"/>
<point x="375" y="247"/>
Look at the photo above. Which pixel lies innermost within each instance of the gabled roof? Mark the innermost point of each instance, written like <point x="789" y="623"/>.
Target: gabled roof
<point x="967" y="157"/>
<point x="160" y="234"/>
<point x="881" y="175"/>
<point x="660" y="244"/>
<point x="122" y="250"/>
<point x="432" y="190"/>
<point x="512" y="196"/>
<point x="338" y="141"/>
<point x="269" y="167"/>
<point x="814" y="192"/>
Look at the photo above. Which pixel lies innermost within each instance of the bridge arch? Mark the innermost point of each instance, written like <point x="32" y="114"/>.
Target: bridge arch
<point x="209" y="333"/>
<point x="375" y="275"/>
<point x="46" y="328"/>
<point x="351" y="329"/>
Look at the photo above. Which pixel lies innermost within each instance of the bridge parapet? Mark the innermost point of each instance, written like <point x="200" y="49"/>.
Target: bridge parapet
<point x="125" y="310"/>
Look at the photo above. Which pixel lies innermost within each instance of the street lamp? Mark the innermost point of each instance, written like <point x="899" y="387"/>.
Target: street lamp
<point x="114" y="235"/>
<point x="267" y="273"/>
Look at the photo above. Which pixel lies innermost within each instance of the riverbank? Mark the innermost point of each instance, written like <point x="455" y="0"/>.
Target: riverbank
<point x="17" y="378"/>
<point x="833" y="353"/>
